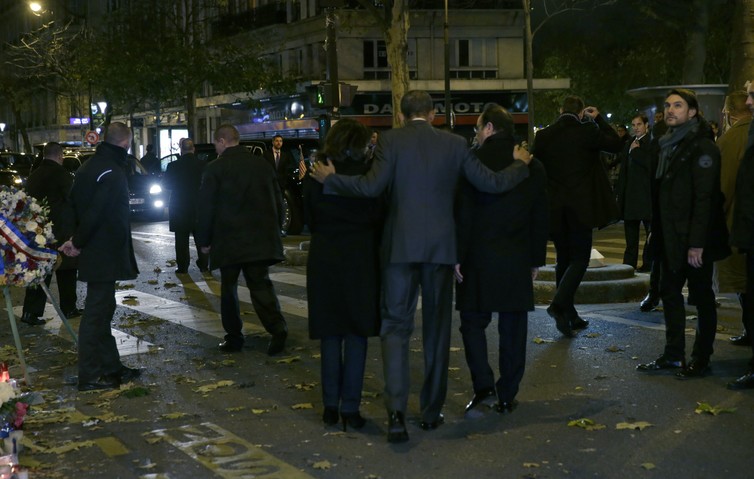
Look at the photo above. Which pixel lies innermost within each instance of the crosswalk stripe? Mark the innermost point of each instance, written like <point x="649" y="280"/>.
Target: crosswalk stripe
<point x="296" y="307"/>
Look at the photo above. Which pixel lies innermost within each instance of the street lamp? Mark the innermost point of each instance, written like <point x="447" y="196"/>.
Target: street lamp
<point x="36" y="8"/>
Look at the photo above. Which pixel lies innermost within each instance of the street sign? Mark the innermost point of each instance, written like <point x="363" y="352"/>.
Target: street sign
<point x="92" y="137"/>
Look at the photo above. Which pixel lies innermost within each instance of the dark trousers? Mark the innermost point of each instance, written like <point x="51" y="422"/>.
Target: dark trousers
<point x="747" y="303"/>
<point x="400" y="292"/>
<point x="573" y="249"/>
<point x="98" y="351"/>
<point x="35" y="298"/>
<point x="700" y="287"/>
<point x="263" y="299"/>
<point x="512" y="330"/>
<point x="343" y="360"/>
<point x="631" y="254"/>
<point x="182" y="253"/>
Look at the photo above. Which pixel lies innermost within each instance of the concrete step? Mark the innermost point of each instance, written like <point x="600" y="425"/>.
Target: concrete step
<point x="614" y="283"/>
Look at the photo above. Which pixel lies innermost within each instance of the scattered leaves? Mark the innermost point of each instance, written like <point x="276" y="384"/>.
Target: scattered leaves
<point x="303" y="405"/>
<point x="289" y="360"/>
<point x="539" y="340"/>
<point x="152" y="281"/>
<point x="593" y="335"/>
<point x="124" y="286"/>
<point x="130" y="301"/>
<point x="211" y="387"/>
<point x="170" y="284"/>
<point x="259" y="411"/>
<point x="305" y="386"/>
<point x="323" y="465"/>
<point x="586" y="423"/>
<point x="531" y="464"/>
<point x="614" y="349"/>
<point x="157" y="269"/>
<point x="639" y="425"/>
<point x="135" y="392"/>
<point x="174" y="415"/>
<point x="702" y="407"/>
<point x="648" y="466"/>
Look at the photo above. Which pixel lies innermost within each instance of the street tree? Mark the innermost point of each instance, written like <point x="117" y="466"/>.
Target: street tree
<point x="742" y="45"/>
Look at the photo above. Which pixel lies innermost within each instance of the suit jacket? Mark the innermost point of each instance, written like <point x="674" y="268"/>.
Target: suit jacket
<point x="285" y="166"/>
<point x="742" y="233"/>
<point x="238" y="213"/>
<point x="637" y="172"/>
<point x="420" y="166"/>
<point x="103" y="221"/>
<point x="570" y="152"/>
<point x="183" y="178"/>
<point x="501" y="237"/>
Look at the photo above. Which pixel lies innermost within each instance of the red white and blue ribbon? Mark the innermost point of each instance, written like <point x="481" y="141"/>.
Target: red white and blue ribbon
<point x="21" y="243"/>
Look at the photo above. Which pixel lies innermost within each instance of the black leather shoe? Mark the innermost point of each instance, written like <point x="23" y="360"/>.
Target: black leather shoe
<point x="561" y="320"/>
<point x="742" y="340"/>
<point x="661" y="363"/>
<point x="650" y="302"/>
<point x="695" y="369"/>
<point x="103" y="382"/>
<point x="353" y="419"/>
<point x="645" y="268"/>
<point x="744" y="382"/>
<point x="485" y="396"/>
<point x="330" y="416"/>
<point x="579" y="323"/>
<point x="506" y="407"/>
<point x="431" y="425"/>
<point x="396" y="428"/>
<point x="32" y="320"/>
<point x="277" y="343"/>
<point x="75" y="313"/>
<point x="181" y="271"/>
<point x="127" y="374"/>
<point x="228" y="347"/>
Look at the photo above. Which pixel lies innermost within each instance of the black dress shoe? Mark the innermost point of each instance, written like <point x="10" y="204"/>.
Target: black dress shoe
<point x="561" y="320"/>
<point x="485" y="396"/>
<point x="181" y="271"/>
<point x="431" y="425"/>
<point x="330" y="416"/>
<point x="744" y="382"/>
<point x="742" y="340"/>
<point x="277" y="343"/>
<point x="103" y="382"/>
<point x="579" y="323"/>
<point x="127" y="374"/>
<point x="396" y="428"/>
<point x="645" y="268"/>
<point x="695" y="369"/>
<point x="75" y="313"/>
<point x="661" y="363"/>
<point x="228" y="347"/>
<point x="32" y="320"/>
<point x="353" y="419"/>
<point x="650" y="302"/>
<point x="506" y="407"/>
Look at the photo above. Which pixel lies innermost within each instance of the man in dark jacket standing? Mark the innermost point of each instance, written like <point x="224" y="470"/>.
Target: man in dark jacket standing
<point x="580" y="198"/>
<point x="239" y="227"/>
<point x="281" y="160"/>
<point x="51" y="182"/>
<point x="420" y="167"/>
<point x="502" y="242"/>
<point x="183" y="178"/>
<point x="102" y="242"/>
<point x="689" y="226"/>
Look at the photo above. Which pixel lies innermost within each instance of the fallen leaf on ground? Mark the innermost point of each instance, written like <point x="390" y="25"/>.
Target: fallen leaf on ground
<point x="702" y="407"/>
<point x="124" y="286"/>
<point x="593" y="335"/>
<point x="531" y="464"/>
<point x="586" y="423"/>
<point x="539" y="340"/>
<point x="174" y="415"/>
<point x="169" y="284"/>
<point x="235" y="409"/>
<point x="157" y="269"/>
<point x="130" y="301"/>
<point x="211" y="387"/>
<point x="648" y="466"/>
<point x="184" y="380"/>
<point x="289" y="360"/>
<point x="454" y="349"/>
<point x="324" y="465"/>
<point x="305" y="386"/>
<point x="152" y="281"/>
<point x="614" y="349"/>
<point x="640" y="425"/>
<point x="303" y="405"/>
<point x="259" y="411"/>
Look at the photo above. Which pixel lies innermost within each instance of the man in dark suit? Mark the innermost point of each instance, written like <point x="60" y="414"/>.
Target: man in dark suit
<point x="238" y="225"/>
<point x="577" y="183"/>
<point x="502" y="242"/>
<point x="420" y="167"/>
<point x="183" y="178"/>
<point x="281" y="160"/>
<point x="102" y="242"/>
<point x="52" y="183"/>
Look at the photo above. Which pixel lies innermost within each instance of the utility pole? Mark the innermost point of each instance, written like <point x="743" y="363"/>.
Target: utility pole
<point x="448" y="117"/>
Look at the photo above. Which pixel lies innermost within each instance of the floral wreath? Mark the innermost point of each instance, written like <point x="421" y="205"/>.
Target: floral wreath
<point x="26" y="239"/>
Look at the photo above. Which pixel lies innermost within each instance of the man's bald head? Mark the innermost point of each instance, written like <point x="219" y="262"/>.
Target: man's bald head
<point x="118" y="134"/>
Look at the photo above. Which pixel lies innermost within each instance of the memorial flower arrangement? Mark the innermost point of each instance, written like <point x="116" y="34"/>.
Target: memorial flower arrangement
<point x="13" y="408"/>
<point x="25" y="239"/>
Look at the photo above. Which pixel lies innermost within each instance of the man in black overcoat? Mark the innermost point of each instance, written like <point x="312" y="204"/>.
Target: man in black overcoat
<point x="420" y="167"/>
<point x="238" y="225"/>
<point x="183" y="178"/>
<point x="102" y="242"/>
<point x="52" y="183"/>
<point x="281" y="160"/>
<point x="502" y="242"/>
<point x="689" y="227"/>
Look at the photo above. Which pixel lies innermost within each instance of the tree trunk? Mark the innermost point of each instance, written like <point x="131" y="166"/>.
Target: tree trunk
<point x="696" y="49"/>
<point x="21" y="128"/>
<point x="529" y="68"/>
<point x="191" y="112"/>
<point x="396" y="42"/>
<point x="742" y="46"/>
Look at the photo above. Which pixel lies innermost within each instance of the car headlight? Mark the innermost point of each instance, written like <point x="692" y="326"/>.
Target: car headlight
<point x="159" y="204"/>
<point x="155" y="189"/>
<point x="18" y="180"/>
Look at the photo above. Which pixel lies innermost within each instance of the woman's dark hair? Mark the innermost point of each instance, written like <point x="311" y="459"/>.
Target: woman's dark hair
<point x="346" y="140"/>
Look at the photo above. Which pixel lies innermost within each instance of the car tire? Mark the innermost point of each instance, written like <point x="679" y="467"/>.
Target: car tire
<point x="293" y="221"/>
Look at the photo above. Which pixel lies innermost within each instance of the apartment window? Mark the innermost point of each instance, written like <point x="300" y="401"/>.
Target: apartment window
<point x="376" y="66"/>
<point x="473" y="58"/>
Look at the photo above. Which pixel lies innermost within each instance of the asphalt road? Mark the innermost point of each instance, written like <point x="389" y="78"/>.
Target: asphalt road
<point x="199" y="413"/>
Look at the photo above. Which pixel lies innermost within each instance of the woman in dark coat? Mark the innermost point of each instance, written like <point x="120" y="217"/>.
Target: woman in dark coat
<point x="502" y="241"/>
<point x="343" y="274"/>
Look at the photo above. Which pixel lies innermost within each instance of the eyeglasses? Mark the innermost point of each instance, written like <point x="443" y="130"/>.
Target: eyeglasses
<point x="476" y="129"/>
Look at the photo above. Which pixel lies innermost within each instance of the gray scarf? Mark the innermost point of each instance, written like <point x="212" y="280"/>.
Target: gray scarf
<point x="670" y="140"/>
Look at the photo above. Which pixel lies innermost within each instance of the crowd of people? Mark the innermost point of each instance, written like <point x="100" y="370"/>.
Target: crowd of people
<point x="415" y="210"/>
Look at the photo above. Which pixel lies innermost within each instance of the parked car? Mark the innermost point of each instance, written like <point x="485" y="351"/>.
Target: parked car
<point x="11" y="178"/>
<point x="21" y="163"/>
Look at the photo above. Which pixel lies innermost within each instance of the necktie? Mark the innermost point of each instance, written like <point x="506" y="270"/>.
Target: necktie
<point x="277" y="158"/>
